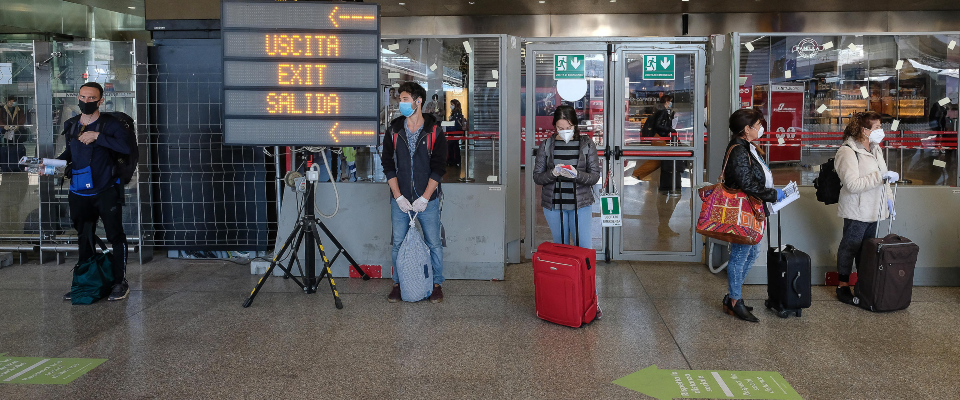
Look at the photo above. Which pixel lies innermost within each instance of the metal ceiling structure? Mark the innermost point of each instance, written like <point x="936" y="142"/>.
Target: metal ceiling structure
<point x="407" y="8"/>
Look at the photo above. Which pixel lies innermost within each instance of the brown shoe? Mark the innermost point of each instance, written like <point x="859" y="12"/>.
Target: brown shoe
<point x="437" y="295"/>
<point x="394" y="294"/>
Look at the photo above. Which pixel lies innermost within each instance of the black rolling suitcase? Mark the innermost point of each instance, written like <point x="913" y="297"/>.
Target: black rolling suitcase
<point x="886" y="270"/>
<point x="788" y="278"/>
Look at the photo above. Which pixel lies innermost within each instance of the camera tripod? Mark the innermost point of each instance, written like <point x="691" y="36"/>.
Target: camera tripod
<point x="306" y="228"/>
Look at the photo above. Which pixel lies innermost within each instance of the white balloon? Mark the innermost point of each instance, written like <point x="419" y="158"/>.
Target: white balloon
<point x="572" y="89"/>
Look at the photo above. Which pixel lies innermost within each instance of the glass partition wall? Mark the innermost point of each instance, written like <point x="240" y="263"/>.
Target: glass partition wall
<point x="110" y="64"/>
<point x="809" y="86"/>
<point x="452" y="70"/>
<point x="19" y="212"/>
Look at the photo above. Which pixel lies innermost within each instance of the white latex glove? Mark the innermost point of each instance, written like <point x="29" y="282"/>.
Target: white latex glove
<point x="404" y="204"/>
<point x="891" y="177"/>
<point x="419" y="205"/>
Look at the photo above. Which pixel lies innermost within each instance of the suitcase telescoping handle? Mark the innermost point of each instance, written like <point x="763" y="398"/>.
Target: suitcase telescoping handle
<point x="779" y="237"/>
<point x="883" y="203"/>
<point x="576" y="215"/>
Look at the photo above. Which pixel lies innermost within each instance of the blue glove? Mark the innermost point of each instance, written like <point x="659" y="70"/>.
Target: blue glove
<point x="893" y="213"/>
<point x="780" y="195"/>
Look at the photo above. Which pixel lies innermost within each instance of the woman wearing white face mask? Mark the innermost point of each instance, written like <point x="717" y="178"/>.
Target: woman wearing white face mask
<point x="567" y="148"/>
<point x="865" y="194"/>
<point x="745" y="170"/>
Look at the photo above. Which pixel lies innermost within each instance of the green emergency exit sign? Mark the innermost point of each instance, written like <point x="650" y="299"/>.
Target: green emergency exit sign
<point x="569" y="66"/>
<point x="660" y="67"/>
<point x="610" y="210"/>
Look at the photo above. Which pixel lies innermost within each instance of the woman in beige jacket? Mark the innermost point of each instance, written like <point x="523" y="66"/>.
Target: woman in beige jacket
<point x="865" y="195"/>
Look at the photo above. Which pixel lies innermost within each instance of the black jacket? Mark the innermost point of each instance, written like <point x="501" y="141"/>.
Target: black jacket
<point x="661" y="123"/>
<point x="743" y="172"/>
<point x="96" y="155"/>
<point x="412" y="179"/>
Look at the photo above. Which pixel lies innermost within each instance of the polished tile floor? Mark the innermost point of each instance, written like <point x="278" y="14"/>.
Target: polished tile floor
<point x="182" y="334"/>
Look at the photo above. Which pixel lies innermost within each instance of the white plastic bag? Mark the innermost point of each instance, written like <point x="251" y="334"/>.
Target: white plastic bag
<point x="414" y="267"/>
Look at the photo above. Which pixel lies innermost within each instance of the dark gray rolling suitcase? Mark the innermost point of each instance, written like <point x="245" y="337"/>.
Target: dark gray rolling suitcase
<point x="788" y="278"/>
<point x="885" y="271"/>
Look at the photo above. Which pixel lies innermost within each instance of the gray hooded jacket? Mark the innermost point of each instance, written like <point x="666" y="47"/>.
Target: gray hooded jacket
<point x="588" y="172"/>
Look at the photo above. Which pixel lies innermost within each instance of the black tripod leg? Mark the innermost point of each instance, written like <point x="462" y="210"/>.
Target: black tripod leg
<point x="294" y="258"/>
<point x="276" y="259"/>
<point x="326" y="268"/>
<point x="336" y="242"/>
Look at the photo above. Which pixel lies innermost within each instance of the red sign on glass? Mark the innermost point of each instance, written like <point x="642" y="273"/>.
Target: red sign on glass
<point x="786" y="120"/>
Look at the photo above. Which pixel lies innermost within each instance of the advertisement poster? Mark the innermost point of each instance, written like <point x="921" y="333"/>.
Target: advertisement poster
<point x="746" y="91"/>
<point x="786" y="118"/>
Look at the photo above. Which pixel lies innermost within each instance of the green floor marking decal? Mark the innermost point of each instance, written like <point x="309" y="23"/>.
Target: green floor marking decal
<point x="45" y="371"/>
<point x="667" y="384"/>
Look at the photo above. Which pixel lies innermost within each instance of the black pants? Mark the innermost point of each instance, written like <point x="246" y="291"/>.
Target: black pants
<point x="453" y="152"/>
<point x="854" y="234"/>
<point x="108" y="206"/>
<point x="670" y="173"/>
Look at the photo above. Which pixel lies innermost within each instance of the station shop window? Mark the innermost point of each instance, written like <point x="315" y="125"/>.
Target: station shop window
<point x="808" y="87"/>
<point x="448" y="72"/>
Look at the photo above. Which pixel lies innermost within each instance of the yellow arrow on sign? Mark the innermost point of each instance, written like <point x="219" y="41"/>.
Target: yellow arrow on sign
<point x="347" y="17"/>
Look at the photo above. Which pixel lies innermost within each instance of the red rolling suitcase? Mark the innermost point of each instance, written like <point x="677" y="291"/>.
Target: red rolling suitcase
<point x="564" y="279"/>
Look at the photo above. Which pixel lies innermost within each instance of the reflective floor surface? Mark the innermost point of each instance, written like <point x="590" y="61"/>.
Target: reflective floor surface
<point x="183" y="334"/>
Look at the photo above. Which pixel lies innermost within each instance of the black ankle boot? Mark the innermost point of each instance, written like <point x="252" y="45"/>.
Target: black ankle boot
<point x="726" y="303"/>
<point x="739" y="310"/>
<point x="846" y="296"/>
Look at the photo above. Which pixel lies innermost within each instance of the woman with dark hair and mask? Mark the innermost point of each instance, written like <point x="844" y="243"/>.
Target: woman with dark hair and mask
<point x="459" y="126"/>
<point x="863" y="172"/>
<point x="567" y="148"/>
<point x="745" y="170"/>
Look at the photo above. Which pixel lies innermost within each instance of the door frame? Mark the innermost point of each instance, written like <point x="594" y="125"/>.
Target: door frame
<point x="591" y="48"/>
<point x="614" y="151"/>
<point x="694" y="152"/>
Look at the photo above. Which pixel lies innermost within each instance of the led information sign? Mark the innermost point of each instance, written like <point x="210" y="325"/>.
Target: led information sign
<point x="300" y="73"/>
<point x="288" y="74"/>
<point x="305" y="103"/>
<point x="299" y="45"/>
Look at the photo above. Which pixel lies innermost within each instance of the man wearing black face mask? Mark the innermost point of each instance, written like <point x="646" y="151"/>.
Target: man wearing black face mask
<point x="95" y="193"/>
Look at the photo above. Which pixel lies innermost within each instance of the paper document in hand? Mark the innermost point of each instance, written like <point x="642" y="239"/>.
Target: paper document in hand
<point x="790" y="189"/>
<point x="791" y="193"/>
<point x="566" y="170"/>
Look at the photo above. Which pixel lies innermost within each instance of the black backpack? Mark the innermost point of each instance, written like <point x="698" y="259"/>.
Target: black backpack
<point x="124" y="165"/>
<point x="647" y="129"/>
<point x="828" y="183"/>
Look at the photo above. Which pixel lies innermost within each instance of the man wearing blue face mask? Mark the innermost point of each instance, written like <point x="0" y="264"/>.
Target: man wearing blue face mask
<point x="414" y="161"/>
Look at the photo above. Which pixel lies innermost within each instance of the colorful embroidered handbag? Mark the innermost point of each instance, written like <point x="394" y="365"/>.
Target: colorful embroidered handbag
<point x="729" y="214"/>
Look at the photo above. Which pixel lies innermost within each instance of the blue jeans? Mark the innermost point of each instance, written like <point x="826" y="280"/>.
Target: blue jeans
<point x="553" y="220"/>
<point x="430" y="223"/>
<point x="742" y="257"/>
